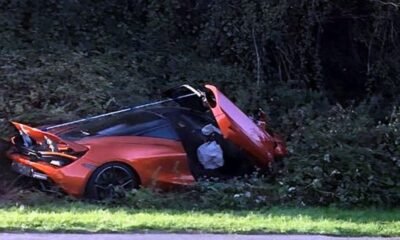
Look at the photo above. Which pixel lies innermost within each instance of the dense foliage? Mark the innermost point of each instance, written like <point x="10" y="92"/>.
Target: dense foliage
<point x="327" y="73"/>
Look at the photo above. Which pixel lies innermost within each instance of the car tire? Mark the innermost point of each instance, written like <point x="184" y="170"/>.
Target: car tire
<point x="111" y="181"/>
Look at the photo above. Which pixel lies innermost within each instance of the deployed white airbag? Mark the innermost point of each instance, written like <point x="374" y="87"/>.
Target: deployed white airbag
<point x="209" y="129"/>
<point x="210" y="155"/>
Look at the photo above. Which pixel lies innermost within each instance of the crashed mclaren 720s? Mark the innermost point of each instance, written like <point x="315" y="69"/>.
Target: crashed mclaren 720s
<point x="202" y="134"/>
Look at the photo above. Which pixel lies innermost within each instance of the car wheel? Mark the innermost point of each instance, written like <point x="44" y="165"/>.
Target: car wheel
<point x="111" y="181"/>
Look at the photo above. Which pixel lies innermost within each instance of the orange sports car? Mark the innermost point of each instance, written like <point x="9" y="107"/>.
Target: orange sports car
<point x="191" y="134"/>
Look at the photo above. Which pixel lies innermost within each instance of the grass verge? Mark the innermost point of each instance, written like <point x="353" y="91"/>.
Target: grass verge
<point x="85" y="217"/>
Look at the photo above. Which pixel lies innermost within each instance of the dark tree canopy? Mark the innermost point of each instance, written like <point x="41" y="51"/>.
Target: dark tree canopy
<point x="348" y="49"/>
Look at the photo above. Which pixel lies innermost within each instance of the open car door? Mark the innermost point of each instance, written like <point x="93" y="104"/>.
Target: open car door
<point x="194" y="102"/>
<point x="235" y="125"/>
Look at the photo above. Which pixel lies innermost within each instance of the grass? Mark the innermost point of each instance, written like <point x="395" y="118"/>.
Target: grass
<point x="85" y="217"/>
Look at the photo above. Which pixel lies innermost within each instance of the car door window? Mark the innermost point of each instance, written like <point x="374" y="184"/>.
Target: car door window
<point x="163" y="129"/>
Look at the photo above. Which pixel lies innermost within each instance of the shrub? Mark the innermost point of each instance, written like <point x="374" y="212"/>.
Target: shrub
<point x="39" y="87"/>
<point x="249" y="192"/>
<point x="343" y="157"/>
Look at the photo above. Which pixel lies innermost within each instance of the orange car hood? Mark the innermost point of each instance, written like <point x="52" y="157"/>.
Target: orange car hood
<point x="39" y="136"/>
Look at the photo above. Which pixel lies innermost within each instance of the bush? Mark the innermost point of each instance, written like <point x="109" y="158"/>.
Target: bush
<point x="38" y="87"/>
<point x="249" y="192"/>
<point x="343" y="157"/>
<point x="5" y="171"/>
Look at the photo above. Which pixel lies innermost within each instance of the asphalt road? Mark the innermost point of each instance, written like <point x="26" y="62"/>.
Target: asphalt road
<point x="160" y="236"/>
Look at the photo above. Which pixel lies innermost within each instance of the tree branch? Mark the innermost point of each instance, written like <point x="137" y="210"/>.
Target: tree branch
<point x="257" y="55"/>
<point x="395" y="5"/>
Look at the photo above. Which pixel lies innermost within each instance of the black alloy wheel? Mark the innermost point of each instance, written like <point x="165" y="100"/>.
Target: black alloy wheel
<point x="111" y="181"/>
